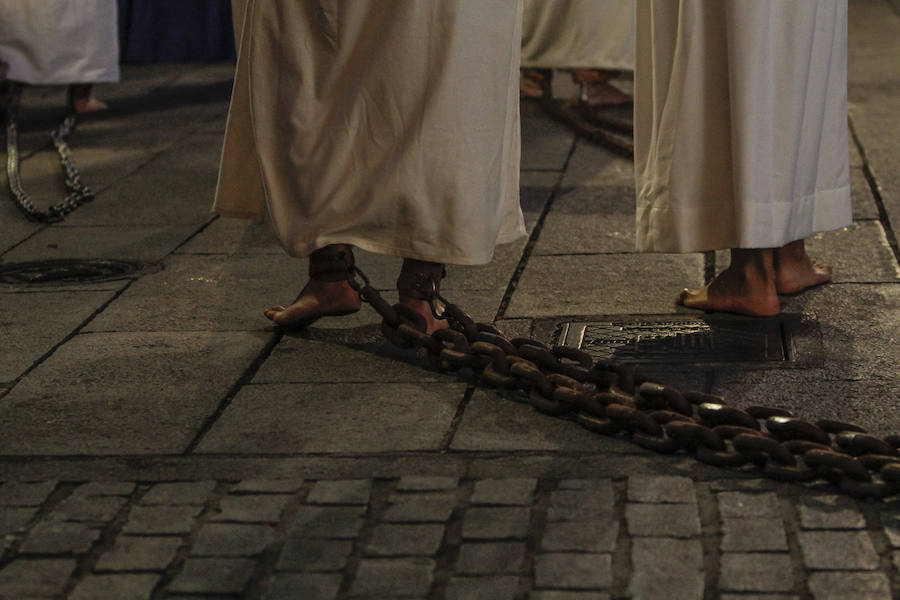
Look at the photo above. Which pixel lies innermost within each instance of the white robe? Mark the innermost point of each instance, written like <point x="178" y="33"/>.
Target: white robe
<point x="588" y="34"/>
<point x="45" y="42"/>
<point x="740" y="122"/>
<point x="392" y="126"/>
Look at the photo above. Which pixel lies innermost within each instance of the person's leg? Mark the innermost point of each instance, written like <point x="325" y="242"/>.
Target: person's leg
<point x="795" y="271"/>
<point x="327" y="293"/>
<point x="81" y="96"/>
<point x="596" y="90"/>
<point x="419" y="280"/>
<point x="746" y="287"/>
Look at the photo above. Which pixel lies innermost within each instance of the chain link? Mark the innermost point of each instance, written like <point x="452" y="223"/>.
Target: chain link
<point x="77" y="193"/>
<point x="609" y="398"/>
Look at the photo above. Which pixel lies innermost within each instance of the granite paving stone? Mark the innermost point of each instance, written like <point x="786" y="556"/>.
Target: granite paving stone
<point x="182" y="492"/>
<point x="545" y="144"/>
<point x="580" y="536"/>
<point x="250" y="508"/>
<point x="753" y="535"/>
<point x="666" y="568"/>
<point x="482" y="588"/>
<point x="213" y="576"/>
<point x="140" y="243"/>
<point x="14" y="519"/>
<point x="584" y="277"/>
<point x="892" y="529"/>
<point x="589" y="220"/>
<point x="26" y="339"/>
<point x="417" y="483"/>
<point x="838" y="586"/>
<point x="54" y="537"/>
<point x="567" y="595"/>
<point x="305" y="554"/>
<point x="584" y="484"/>
<point x="233" y="236"/>
<point x="309" y="586"/>
<point x="490" y="423"/>
<point x="328" y="522"/>
<point x="405" y="540"/>
<point x="422" y="507"/>
<point x="393" y="577"/>
<point x="573" y="571"/>
<point x="354" y="491"/>
<point x="203" y="293"/>
<point x="335" y="418"/>
<point x="571" y="505"/>
<point x="535" y="189"/>
<point x="155" y="520"/>
<point x="496" y="523"/>
<point x="830" y="512"/>
<point x="863" y="202"/>
<point x="88" y="508"/>
<point x="105" y="488"/>
<point x="120" y="587"/>
<point x="490" y="558"/>
<point x="232" y="539"/>
<point x="139" y="553"/>
<point x="267" y="486"/>
<point x="662" y="520"/>
<point x="746" y="505"/>
<point x="127" y="385"/>
<point x="516" y="492"/>
<point x="648" y="488"/>
<point x="756" y="572"/>
<point x="838" y="550"/>
<point x="858" y="253"/>
<point x="301" y="360"/>
<point x="33" y="578"/>
<point x="592" y="165"/>
<point x="15" y="493"/>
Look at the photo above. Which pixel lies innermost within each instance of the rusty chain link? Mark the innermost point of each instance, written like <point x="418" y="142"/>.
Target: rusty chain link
<point x="610" y="398"/>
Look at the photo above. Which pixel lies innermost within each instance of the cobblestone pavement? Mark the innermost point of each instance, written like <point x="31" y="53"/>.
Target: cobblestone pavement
<point x="444" y="537"/>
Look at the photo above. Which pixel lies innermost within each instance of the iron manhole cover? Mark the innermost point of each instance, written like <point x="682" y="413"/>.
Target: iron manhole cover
<point x="675" y="339"/>
<point x="66" y="271"/>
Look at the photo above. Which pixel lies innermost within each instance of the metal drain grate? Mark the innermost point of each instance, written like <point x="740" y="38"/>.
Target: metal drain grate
<point x="708" y="339"/>
<point x="66" y="271"/>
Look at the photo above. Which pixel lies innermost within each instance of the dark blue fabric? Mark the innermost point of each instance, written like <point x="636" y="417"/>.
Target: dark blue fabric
<point x="175" y="30"/>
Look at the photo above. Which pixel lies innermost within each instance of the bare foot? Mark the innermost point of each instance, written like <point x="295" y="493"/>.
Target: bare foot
<point x="596" y="89"/>
<point x="746" y="287"/>
<point x="318" y="299"/>
<point x="533" y="83"/>
<point x="795" y="271"/>
<point x="423" y="307"/>
<point x="84" y="101"/>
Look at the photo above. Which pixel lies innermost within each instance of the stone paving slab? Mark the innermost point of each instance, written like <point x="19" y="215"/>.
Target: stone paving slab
<point x="31" y="324"/>
<point x="353" y="418"/>
<point x="590" y="165"/>
<point x="148" y="243"/>
<point x="234" y="236"/>
<point x="189" y="171"/>
<point x="203" y="293"/>
<point x="589" y="220"/>
<point x="301" y="360"/>
<point x="491" y="422"/>
<point x="603" y="284"/>
<point x="545" y="144"/>
<point x="859" y="253"/>
<point x="864" y="206"/>
<point x="115" y="393"/>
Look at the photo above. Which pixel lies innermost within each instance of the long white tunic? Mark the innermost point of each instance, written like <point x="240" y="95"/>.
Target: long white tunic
<point x="59" y="41"/>
<point x="392" y="126"/>
<point x="740" y="122"/>
<point x="589" y="34"/>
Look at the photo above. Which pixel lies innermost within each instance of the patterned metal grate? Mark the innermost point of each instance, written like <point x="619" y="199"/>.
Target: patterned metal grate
<point x="675" y="339"/>
<point x="66" y="271"/>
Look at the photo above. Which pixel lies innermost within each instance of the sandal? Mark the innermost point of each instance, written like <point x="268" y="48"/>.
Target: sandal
<point x="535" y="84"/>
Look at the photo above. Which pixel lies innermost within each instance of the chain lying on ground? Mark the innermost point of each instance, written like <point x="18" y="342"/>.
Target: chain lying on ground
<point x="609" y="397"/>
<point x="77" y="193"/>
